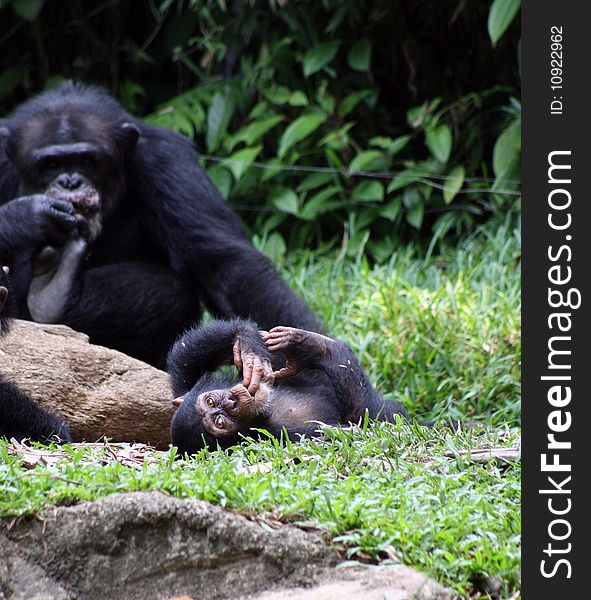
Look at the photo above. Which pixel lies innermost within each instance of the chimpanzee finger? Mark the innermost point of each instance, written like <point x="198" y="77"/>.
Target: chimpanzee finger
<point x="237" y="354"/>
<point x="269" y="378"/>
<point x="267" y="372"/>
<point x="257" y="373"/>
<point x="63" y="218"/>
<point x="62" y="206"/>
<point x="247" y="368"/>
<point x="275" y="339"/>
<point x="283" y="373"/>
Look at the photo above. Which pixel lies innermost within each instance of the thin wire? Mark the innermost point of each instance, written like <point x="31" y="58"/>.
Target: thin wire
<point x="438" y="186"/>
<point x="371" y="174"/>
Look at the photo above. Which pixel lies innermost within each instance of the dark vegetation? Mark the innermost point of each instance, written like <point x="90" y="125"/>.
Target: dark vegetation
<point x="423" y="91"/>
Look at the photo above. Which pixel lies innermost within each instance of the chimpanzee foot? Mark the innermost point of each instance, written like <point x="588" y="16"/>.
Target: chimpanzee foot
<point x="54" y="275"/>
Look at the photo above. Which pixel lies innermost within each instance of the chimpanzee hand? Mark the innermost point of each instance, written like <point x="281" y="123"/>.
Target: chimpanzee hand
<point x="302" y="349"/>
<point x="31" y="222"/>
<point x="252" y="359"/>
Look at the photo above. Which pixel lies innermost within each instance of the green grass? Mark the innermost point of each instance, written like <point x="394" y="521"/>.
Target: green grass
<point x="443" y="337"/>
<point x="383" y="491"/>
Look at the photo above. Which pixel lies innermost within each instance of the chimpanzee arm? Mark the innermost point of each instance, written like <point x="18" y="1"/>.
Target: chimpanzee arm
<point x="30" y="222"/>
<point x="206" y="348"/>
<point x="202" y="238"/>
<point x="20" y="417"/>
<point x="354" y="393"/>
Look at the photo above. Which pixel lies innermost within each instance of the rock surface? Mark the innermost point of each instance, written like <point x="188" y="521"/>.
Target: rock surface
<point x="97" y="391"/>
<point x="148" y="545"/>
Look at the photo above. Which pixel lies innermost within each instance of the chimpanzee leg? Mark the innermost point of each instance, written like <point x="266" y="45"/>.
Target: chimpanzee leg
<point x="353" y="390"/>
<point x="134" y="307"/>
<point x="20" y="417"/>
<point x="54" y="275"/>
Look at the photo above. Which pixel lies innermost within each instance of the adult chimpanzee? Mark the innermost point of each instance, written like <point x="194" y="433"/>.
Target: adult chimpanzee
<point x="111" y="227"/>
<point x="321" y="381"/>
<point x="19" y="416"/>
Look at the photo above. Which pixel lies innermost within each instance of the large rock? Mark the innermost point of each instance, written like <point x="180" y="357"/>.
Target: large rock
<point x="96" y="390"/>
<point x="148" y="545"/>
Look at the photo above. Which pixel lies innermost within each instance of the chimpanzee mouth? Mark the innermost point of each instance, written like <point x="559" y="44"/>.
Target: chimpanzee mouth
<point x="262" y="401"/>
<point x="86" y="200"/>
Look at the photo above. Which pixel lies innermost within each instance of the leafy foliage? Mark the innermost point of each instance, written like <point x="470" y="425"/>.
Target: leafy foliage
<point x="299" y="138"/>
<point x="339" y="124"/>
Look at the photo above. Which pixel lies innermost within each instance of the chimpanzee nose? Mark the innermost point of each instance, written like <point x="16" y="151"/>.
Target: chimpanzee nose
<point x="230" y="404"/>
<point x="69" y="182"/>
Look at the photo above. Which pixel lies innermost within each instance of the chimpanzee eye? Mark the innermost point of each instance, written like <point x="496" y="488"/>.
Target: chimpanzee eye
<point x="210" y="401"/>
<point x="219" y="422"/>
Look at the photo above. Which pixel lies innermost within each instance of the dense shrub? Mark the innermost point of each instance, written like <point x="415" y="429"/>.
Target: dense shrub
<point x="347" y="124"/>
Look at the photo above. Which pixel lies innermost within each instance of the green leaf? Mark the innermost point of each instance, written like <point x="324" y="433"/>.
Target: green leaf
<point x="391" y="210"/>
<point x="370" y="160"/>
<point x="453" y="184"/>
<point x="278" y="94"/>
<point x="359" y="56"/>
<point x="318" y="204"/>
<point x="314" y="181"/>
<point x="285" y="200"/>
<point x="351" y="101"/>
<point x="366" y="216"/>
<point x="418" y="116"/>
<point x="274" y="168"/>
<point x="319" y="56"/>
<point x="239" y="162"/>
<point x="27" y="9"/>
<point x="222" y="179"/>
<point x="368" y="191"/>
<point x="403" y="179"/>
<point x="415" y="216"/>
<point x="439" y="141"/>
<point x="297" y="98"/>
<point x="507" y="150"/>
<point x="500" y="16"/>
<point x="301" y="128"/>
<point x="251" y="133"/>
<point x="275" y="247"/>
<point x="391" y="146"/>
<point x="218" y="118"/>
<point x="338" y="139"/>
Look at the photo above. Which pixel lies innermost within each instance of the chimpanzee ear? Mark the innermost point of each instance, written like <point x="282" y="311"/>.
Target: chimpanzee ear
<point x="130" y="133"/>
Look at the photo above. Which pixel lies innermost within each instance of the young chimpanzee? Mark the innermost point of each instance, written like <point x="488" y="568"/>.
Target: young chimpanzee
<point x="19" y="416"/>
<point x="320" y="381"/>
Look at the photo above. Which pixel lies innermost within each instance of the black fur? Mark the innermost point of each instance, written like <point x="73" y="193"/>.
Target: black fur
<point x="20" y="417"/>
<point x="168" y="241"/>
<point x="330" y="386"/>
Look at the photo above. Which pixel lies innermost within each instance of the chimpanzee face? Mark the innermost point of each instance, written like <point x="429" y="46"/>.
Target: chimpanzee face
<point x="72" y="157"/>
<point x="224" y="413"/>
